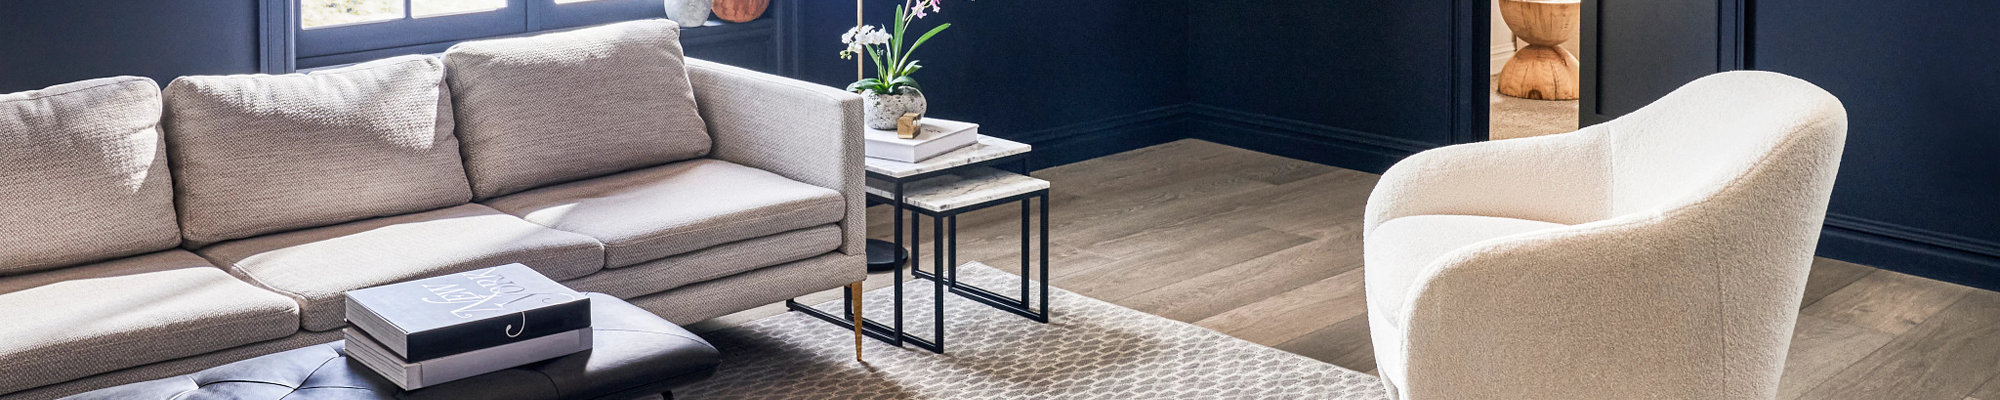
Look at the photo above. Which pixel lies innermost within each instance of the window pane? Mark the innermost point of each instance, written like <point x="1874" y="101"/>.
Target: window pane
<point x="319" y="13"/>
<point x="431" y="8"/>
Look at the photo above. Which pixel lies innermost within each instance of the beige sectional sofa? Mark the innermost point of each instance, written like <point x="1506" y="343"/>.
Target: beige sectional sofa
<point x="147" y="232"/>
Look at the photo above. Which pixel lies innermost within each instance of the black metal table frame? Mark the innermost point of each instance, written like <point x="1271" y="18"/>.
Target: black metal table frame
<point x="894" y="334"/>
<point x="1021" y="306"/>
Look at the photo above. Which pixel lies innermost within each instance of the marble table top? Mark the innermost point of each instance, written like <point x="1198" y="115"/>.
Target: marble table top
<point x="959" y="189"/>
<point x="988" y="148"/>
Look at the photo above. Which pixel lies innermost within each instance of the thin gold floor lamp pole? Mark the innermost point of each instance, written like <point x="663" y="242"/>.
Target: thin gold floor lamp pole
<point x="854" y="290"/>
<point x="859" y="74"/>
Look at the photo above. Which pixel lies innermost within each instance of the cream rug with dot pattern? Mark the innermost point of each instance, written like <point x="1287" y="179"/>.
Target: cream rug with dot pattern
<point x="1089" y="350"/>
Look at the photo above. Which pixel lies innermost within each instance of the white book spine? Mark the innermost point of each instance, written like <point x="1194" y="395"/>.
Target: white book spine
<point x="379" y="329"/>
<point x="372" y="355"/>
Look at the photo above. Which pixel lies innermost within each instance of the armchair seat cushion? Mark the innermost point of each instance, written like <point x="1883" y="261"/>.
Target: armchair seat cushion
<point x="676" y="208"/>
<point x="1398" y="251"/>
<point x="128" y="312"/>
<point x="318" y="266"/>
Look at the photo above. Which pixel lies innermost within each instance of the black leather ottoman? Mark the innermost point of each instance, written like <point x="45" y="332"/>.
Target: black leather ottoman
<point x="634" y="354"/>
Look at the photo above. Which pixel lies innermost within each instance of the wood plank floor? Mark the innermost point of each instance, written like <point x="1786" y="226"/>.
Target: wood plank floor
<point x="1268" y="249"/>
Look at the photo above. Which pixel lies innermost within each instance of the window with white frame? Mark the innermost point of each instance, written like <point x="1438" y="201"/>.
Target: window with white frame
<point x="330" y="32"/>
<point x="321" y="14"/>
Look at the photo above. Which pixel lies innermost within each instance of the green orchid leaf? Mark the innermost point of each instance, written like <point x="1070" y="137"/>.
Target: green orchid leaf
<point x="880" y="68"/>
<point x="896" y="53"/>
<point x="864" y="84"/>
<point x="906" y="81"/>
<point x="926" y="37"/>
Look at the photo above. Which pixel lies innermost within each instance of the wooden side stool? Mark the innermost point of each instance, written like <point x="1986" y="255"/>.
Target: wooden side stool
<point x="1543" y="70"/>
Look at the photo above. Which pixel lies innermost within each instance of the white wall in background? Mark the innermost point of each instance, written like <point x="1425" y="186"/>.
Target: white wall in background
<point x="1501" y="39"/>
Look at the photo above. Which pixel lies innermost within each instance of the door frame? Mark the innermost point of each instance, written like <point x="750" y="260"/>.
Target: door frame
<point x="1470" y="27"/>
<point x="1733" y="32"/>
<point x="1471" y="63"/>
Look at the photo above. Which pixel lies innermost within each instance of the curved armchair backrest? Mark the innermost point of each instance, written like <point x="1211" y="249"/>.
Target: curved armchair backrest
<point x="1732" y="174"/>
<point x="1718" y="130"/>
<point x="1686" y="234"/>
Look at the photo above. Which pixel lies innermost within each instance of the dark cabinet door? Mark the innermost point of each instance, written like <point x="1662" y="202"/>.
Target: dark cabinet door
<point x="1635" y="51"/>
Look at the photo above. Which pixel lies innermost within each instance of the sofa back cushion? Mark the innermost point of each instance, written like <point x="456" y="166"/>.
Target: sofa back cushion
<point x="83" y="175"/>
<point x="559" y="107"/>
<point x="256" y="154"/>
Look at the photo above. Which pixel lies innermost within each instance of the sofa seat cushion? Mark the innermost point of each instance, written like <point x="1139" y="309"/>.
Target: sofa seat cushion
<point x="1398" y="251"/>
<point x="81" y="321"/>
<point x="711" y="263"/>
<point x="256" y="154"/>
<point x="317" y="266"/>
<point x="564" y="106"/>
<point x="657" y="212"/>
<point x="83" y="175"/>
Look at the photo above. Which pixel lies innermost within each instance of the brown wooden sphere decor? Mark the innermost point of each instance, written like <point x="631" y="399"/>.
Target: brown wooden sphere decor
<point x="740" y="10"/>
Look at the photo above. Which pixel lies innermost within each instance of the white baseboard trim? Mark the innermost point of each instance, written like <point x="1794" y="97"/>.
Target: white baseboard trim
<point x="1501" y="53"/>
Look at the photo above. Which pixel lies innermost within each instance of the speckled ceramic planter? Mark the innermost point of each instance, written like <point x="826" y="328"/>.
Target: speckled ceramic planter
<point x="689" y="13"/>
<point x="883" y="110"/>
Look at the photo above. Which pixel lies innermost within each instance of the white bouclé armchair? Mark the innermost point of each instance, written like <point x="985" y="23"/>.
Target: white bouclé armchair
<point x="1661" y="255"/>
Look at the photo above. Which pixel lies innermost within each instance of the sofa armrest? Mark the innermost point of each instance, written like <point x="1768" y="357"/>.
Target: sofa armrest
<point x="806" y="132"/>
<point x="1558" y="178"/>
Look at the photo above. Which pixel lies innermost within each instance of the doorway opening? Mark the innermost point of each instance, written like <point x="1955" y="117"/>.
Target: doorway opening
<point x="1533" y="82"/>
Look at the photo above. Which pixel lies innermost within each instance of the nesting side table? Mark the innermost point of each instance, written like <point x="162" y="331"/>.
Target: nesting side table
<point x="942" y="187"/>
<point x="966" y="190"/>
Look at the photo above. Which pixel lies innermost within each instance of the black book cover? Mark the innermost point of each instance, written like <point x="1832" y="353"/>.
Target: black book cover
<point x="452" y="314"/>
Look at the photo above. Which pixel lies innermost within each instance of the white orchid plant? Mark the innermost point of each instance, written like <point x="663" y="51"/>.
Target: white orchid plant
<point x="893" y="61"/>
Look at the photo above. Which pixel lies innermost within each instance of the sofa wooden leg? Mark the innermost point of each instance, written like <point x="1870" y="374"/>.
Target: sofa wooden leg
<point x="854" y="290"/>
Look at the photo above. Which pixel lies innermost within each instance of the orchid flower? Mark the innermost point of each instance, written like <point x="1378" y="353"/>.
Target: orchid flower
<point x="917" y="7"/>
<point x="885" y="46"/>
<point x="857" y="38"/>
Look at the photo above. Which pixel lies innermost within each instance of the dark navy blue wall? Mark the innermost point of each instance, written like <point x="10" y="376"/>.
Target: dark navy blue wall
<point x="1919" y="188"/>
<point x="44" y="43"/>
<point x="1353" y="84"/>
<point x="1357" y="84"/>
<point x="1079" y="79"/>
<point x="1308" y="61"/>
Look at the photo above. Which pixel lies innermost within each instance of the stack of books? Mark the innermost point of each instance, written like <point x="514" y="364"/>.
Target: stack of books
<point x="935" y="136"/>
<point x="431" y="331"/>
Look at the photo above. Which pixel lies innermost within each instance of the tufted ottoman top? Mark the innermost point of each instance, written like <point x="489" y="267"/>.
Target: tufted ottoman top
<point x="634" y="354"/>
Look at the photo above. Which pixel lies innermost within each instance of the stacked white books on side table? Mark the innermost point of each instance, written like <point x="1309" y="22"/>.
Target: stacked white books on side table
<point x="430" y="331"/>
<point x="935" y="136"/>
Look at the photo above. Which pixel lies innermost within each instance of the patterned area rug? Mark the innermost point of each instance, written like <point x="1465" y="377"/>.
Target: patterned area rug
<point x="1090" y="350"/>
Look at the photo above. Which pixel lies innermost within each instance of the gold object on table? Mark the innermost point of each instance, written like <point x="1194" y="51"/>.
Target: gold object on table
<point x="908" y="125"/>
